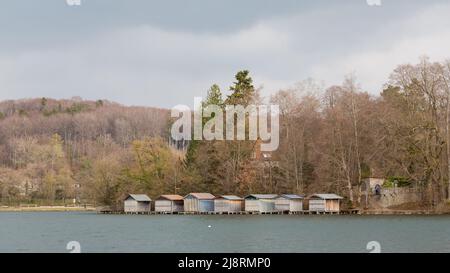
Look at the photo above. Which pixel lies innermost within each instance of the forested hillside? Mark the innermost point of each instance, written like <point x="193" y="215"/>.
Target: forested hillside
<point x="332" y="141"/>
<point x="52" y="150"/>
<point x="332" y="138"/>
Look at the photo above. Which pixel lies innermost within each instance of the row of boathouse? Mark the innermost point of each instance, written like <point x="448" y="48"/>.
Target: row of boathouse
<point x="206" y="203"/>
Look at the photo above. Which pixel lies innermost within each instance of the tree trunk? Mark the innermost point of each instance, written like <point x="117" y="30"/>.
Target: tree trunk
<point x="355" y="134"/>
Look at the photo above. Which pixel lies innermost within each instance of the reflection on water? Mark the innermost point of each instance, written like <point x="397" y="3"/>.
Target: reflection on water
<point x="50" y="232"/>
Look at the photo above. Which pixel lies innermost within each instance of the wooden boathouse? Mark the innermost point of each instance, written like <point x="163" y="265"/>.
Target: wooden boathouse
<point x="228" y="204"/>
<point x="199" y="202"/>
<point x="291" y="203"/>
<point x="170" y="203"/>
<point x="137" y="203"/>
<point x="261" y="203"/>
<point x="324" y="202"/>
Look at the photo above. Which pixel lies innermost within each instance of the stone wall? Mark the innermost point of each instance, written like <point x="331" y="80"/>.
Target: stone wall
<point x="393" y="197"/>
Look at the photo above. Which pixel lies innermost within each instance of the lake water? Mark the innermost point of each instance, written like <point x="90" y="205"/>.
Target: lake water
<point x="51" y="231"/>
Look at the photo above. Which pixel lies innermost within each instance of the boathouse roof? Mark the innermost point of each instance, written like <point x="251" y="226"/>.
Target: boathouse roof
<point x="292" y="196"/>
<point x="230" y="197"/>
<point x="326" y="196"/>
<point x="201" y="195"/>
<point x="171" y="197"/>
<point x="262" y="196"/>
<point x="139" y="197"/>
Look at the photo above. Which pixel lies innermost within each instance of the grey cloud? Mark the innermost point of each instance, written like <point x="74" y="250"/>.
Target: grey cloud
<point x="151" y="60"/>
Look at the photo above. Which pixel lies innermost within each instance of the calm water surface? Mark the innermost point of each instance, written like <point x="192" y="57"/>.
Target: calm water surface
<point x="51" y="231"/>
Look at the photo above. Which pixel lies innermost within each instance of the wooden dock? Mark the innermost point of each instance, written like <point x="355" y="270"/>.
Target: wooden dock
<point x="233" y="213"/>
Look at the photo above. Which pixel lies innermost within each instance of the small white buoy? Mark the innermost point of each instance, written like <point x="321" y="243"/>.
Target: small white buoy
<point x="209" y="226"/>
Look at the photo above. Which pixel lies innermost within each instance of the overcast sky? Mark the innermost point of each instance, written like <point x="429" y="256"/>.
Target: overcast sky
<point x="163" y="53"/>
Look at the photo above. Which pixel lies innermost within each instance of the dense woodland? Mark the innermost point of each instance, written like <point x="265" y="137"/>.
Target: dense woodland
<point x="57" y="151"/>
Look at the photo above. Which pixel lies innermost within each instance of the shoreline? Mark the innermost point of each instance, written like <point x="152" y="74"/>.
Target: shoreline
<point x="404" y="212"/>
<point x="46" y="209"/>
<point x="94" y="209"/>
